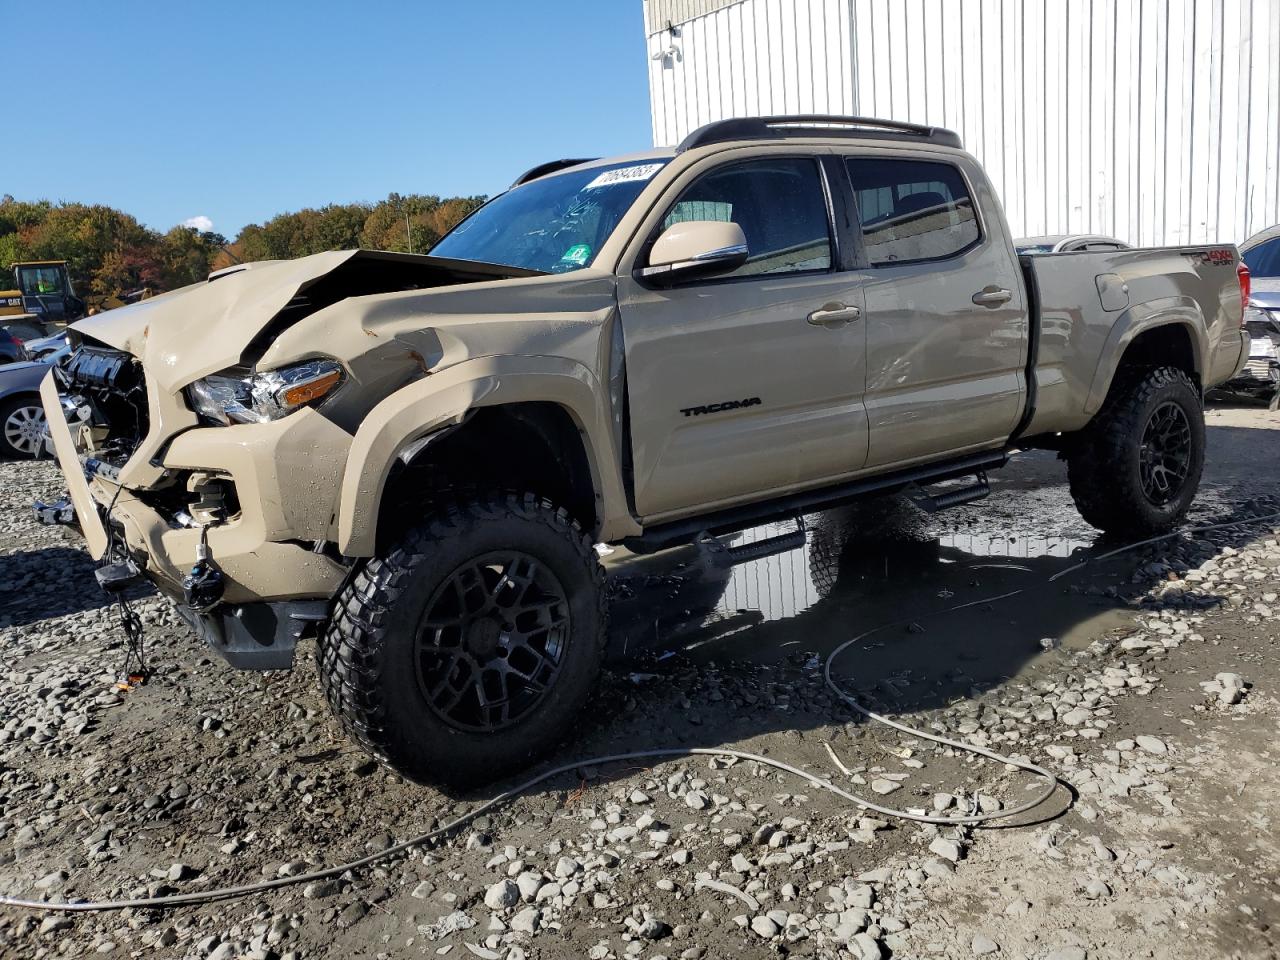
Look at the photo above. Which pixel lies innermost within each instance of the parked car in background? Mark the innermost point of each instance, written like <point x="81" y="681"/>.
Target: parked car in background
<point x="22" y="421"/>
<point x="11" y="348"/>
<point x="1260" y="378"/>
<point x="44" y="348"/>
<point x="1262" y="253"/>
<point x="1068" y="243"/>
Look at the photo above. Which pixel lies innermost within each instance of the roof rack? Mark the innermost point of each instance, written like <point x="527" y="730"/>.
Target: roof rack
<point x="815" y="125"/>
<point x="551" y="166"/>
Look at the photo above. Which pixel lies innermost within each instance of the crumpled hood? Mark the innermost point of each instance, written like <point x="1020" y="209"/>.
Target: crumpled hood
<point x="206" y="327"/>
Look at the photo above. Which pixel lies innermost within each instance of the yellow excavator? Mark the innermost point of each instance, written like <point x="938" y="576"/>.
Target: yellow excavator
<point x="42" y="301"/>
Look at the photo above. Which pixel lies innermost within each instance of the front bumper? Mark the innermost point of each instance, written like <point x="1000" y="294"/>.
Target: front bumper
<point x="286" y="476"/>
<point x="257" y="636"/>
<point x="64" y="448"/>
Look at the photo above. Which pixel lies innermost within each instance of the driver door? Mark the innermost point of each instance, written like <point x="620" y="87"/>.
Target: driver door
<point x="750" y="384"/>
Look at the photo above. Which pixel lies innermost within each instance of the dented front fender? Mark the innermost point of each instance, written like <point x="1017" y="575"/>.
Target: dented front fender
<point x="445" y="398"/>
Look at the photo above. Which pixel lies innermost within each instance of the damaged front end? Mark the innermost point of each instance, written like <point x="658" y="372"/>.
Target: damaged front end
<point x="101" y="396"/>
<point x="198" y="457"/>
<point x="106" y="399"/>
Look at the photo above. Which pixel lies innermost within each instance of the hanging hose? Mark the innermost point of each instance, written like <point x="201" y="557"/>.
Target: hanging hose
<point x="1051" y="782"/>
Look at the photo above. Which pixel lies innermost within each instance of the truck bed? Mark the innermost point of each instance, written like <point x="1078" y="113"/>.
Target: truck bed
<point x="1088" y="307"/>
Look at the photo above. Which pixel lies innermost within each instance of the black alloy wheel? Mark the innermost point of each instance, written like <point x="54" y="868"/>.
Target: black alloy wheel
<point x="1165" y="455"/>
<point x="493" y="641"/>
<point x="464" y="649"/>
<point x="1134" y="470"/>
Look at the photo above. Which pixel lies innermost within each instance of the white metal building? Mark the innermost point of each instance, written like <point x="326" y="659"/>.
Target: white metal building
<point x="1157" y="121"/>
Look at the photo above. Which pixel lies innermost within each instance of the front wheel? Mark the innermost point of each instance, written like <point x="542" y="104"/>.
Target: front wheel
<point x="1136" y="467"/>
<point x="466" y="650"/>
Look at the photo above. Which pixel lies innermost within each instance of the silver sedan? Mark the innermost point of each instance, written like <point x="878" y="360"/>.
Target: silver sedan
<point x="22" y="424"/>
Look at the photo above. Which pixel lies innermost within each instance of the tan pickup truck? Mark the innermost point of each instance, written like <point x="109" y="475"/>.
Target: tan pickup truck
<point x="411" y="458"/>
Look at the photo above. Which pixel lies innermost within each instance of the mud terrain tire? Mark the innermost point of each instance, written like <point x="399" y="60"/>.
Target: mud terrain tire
<point x="443" y="610"/>
<point x="1119" y="472"/>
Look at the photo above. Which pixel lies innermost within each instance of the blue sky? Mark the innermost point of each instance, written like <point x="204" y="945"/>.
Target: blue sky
<point x="238" y="111"/>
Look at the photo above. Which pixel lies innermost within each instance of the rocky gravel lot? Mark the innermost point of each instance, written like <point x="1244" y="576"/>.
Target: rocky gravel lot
<point x="1147" y="682"/>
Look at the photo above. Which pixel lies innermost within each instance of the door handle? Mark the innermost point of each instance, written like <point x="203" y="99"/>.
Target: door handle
<point x="834" y="315"/>
<point x="992" y="296"/>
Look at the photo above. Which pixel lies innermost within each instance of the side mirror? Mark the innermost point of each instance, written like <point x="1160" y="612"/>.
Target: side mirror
<point x="696" y="248"/>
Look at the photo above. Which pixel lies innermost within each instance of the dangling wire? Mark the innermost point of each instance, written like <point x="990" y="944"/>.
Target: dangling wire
<point x="134" y="670"/>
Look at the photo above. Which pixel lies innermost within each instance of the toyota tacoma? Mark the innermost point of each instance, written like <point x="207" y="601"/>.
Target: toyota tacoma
<point x="411" y="459"/>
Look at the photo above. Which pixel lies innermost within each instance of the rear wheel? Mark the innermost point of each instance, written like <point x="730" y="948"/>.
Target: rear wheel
<point x="23" y="427"/>
<point x="1136" y="468"/>
<point x="467" y="649"/>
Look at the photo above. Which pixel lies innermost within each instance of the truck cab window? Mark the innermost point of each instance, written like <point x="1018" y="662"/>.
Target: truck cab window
<point x="778" y="203"/>
<point x="912" y="209"/>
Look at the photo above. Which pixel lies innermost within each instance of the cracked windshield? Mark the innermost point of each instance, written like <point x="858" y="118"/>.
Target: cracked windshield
<point x="552" y="225"/>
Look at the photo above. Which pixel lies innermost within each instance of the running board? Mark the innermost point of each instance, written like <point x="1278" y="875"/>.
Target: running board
<point x="768" y="547"/>
<point x="733" y="519"/>
<point x="932" y="503"/>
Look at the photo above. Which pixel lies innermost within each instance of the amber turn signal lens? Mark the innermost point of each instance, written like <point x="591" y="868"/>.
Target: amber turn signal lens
<point x="301" y="393"/>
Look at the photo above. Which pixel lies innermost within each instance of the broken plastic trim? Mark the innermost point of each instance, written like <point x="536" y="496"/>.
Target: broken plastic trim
<point x="411" y="449"/>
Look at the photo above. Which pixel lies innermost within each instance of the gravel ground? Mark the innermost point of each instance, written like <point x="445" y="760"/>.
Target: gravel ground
<point x="1147" y="682"/>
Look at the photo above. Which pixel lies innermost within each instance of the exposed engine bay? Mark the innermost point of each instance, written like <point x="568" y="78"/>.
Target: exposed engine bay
<point x="104" y="396"/>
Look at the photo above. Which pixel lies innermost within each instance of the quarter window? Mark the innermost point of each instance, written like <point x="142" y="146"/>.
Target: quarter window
<point x="778" y="203"/>
<point x="912" y="210"/>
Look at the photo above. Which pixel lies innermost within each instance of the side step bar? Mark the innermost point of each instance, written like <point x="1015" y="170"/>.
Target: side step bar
<point x="733" y="519"/>
<point x="932" y="503"/>
<point x="769" y="546"/>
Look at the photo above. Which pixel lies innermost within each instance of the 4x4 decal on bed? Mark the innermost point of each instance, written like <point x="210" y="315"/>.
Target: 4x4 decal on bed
<point x="720" y="407"/>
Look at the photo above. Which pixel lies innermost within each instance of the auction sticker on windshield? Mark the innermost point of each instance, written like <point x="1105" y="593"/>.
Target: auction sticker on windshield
<point x="578" y="254"/>
<point x="639" y="171"/>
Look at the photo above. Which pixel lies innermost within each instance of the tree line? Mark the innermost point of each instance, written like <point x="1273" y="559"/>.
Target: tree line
<point x="109" y="253"/>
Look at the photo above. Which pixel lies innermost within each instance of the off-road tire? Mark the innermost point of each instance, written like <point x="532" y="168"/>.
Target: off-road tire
<point x="1103" y="467"/>
<point x="367" y="654"/>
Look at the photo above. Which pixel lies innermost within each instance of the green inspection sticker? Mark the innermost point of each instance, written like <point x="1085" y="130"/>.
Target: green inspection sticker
<point x="578" y="254"/>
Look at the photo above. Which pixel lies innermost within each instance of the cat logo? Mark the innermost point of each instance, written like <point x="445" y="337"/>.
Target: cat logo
<point x="720" y="407"/>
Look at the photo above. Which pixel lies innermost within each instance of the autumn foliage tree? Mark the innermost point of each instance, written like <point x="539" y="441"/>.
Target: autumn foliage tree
<point x="109" y="253"/>
<point x="406" y="224"/>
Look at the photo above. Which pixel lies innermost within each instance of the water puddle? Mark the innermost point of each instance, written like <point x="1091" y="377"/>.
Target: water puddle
<point x="859" y="568"/>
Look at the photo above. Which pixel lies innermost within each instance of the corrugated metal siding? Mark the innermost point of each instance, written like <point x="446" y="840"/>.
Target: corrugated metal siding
<point x="658" y="13"/>
<point x="1157" y="121"/>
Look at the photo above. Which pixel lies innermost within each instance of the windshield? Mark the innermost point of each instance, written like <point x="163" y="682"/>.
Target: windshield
<point x="555" y="224"/>
<point x="40" y="281"/>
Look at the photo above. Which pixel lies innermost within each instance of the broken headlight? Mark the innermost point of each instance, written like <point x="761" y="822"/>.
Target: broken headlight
<point x="227" y="398"/>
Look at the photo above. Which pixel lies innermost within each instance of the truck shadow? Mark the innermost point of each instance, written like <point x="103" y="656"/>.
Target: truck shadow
<point x="705" y="653"/>
<point x="42" y="584"/>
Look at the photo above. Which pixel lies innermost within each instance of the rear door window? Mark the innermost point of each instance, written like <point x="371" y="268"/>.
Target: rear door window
<point x="912" y="210"/>
<point x="780" y="205"/>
